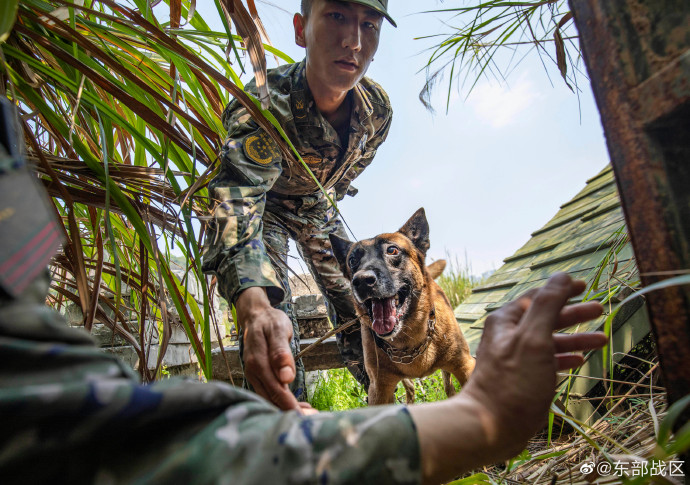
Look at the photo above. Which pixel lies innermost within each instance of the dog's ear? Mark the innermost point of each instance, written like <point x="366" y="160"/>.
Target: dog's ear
<point x="417" y="230"/>
<point x="341" y="247"/>
<point x="436" y="268"/>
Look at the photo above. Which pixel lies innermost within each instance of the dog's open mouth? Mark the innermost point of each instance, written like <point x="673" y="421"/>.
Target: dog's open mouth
<point x="385" y="313"/>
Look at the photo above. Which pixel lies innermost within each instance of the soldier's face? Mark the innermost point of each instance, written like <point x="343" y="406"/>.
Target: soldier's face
<point x="341" y="39"/>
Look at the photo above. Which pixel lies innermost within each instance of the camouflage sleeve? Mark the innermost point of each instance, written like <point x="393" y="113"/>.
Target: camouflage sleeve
<point x="234" y="249"/>
<point x="70" y="413"/>
<point x="366" y="159"/>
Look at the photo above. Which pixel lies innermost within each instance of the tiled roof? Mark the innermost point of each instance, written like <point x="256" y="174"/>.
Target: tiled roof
<point x="586" y="230"/>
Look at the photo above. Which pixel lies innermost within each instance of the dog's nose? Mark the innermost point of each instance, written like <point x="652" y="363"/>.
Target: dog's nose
<point x="364" y="279"/>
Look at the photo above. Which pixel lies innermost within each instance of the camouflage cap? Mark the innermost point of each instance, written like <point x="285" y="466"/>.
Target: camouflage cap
<point x="381" y="6"/>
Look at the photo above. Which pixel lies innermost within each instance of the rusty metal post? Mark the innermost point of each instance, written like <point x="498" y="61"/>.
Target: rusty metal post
<point x="638" y="56"/>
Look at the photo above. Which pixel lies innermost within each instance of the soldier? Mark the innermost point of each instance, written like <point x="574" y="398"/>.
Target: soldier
<point x="336" y="118"/>
<point x="70" y="413"/>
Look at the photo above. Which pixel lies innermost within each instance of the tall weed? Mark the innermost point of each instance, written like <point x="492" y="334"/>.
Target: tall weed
<point x="457" y="280"/>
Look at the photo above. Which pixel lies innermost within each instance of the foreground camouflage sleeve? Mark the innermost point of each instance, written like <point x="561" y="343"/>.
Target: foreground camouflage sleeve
<point x="234" y="249"/>
<point x="70" y="413"/>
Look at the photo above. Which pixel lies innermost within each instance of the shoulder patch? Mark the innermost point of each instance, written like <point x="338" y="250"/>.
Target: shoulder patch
<point x="261" y="148"/>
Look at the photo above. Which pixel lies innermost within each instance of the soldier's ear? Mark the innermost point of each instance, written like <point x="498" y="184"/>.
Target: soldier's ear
<point x="341" y="248"/>
<point x="298" y="22"/>
<point x="416" y="229"/>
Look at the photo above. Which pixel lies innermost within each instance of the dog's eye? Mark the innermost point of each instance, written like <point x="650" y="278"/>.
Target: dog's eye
<point x="393" y="251"/>
<point x="352" y="262"/>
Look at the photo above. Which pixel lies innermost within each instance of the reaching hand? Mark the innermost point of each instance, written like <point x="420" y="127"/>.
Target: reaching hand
<point x="519" y="356"/>
<point x="268" y="363"/>
<point x="509" y="393"/>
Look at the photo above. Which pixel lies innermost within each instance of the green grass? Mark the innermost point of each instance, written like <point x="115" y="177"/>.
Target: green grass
<point x="428" y="389"/>
<point x="337" y="390"/>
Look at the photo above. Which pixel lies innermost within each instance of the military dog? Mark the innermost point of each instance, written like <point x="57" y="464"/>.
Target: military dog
<point x="409" y="329"/>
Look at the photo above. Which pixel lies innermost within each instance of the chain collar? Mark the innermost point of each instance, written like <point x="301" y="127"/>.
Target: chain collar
<point x="403" y="356"/>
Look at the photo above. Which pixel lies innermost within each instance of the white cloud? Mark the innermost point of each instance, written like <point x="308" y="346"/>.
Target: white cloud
<point x="501" y="105"/>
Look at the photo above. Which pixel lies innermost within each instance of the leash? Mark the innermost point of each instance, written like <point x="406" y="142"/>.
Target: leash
<point x="401" y="356"/>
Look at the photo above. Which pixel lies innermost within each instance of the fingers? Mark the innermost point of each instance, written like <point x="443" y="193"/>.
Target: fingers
<point x="579" y="342"/>
<point x="568" y="361"/>
<point x="281" y="370"/>
<point x="544" y="313"/>
<point x="514" y="310"/>
<point x="305" y="409"/>
<point x="578" y="313"/>
<point x="282" y="361"/>
<point x="265" y="384"/>
<point x="546" y="301"/>
<point x="578" y="286"/>
<point x="269" y="365"/>
<point x="508" y="315"/>
<point x="279" y="394"/>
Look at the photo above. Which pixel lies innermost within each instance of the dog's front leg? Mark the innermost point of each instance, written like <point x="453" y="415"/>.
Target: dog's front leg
<point x="382" y="391"/>
<point x="448" y="383"/>
<point x="462" y="370"/>
<point x="409" y="390"/>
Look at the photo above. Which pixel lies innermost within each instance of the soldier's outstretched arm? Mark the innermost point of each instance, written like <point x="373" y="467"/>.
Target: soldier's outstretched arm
<point x="234" y="251"/>
<point x="70" y="413"/>
<point x="508" y="396"/>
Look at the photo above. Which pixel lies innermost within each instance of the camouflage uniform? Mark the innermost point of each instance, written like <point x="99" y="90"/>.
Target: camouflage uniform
<point x="70" y="413"/>
<point x="263" y="201"/>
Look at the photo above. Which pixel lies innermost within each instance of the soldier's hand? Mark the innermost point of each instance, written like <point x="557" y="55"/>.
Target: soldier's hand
<point x="509" y="393"/>
<point x="268" y="362"/>
<point x="519" y="356"/>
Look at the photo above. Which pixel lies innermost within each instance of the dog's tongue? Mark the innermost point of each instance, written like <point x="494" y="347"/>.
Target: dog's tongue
<point x="385" y="316"/>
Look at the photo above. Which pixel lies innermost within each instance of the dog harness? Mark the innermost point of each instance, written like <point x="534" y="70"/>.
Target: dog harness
<point x="404" y="356"/>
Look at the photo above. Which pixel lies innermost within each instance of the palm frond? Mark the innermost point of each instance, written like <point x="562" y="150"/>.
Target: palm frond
<point x="122" y="109"/>
<point x="494" y="36"/>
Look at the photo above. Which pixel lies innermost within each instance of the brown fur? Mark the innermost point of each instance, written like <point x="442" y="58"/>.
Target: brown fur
<point x="448" y="349"/>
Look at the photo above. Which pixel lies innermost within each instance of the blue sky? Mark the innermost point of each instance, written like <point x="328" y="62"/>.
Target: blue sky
<point x="491" y="171"/>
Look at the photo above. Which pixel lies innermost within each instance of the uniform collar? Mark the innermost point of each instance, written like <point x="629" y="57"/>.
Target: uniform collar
<point x="362" y="106"/>
<point x="304" y="109"/>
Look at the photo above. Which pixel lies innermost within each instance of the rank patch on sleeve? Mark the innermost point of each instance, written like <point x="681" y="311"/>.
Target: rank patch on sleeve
<point x="311" y="159"/>
<point x="261" y="148"/>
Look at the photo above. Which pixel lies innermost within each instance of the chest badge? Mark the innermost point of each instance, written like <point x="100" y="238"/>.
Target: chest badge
<point x="311" y="159"/>
<point x="261" y="148"/>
